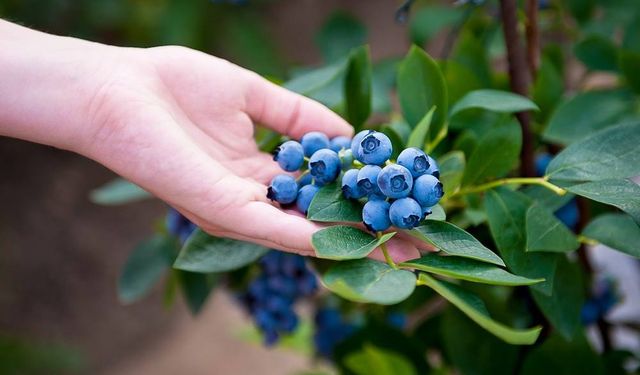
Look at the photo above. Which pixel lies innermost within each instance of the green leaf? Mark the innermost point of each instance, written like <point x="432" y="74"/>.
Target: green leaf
<point x="474" y="308"/>
<point x="624" y="194"/>
<point x="629" y="62"/>
<point x="396" y="140"/>
<point x="375" y="361"/>
<point x="546" y="198"/>
<point x="427" y="22"/>
<point x="548" y="89"/>
<point x="497" y="153"/>
<point x="494" y="100"/>
<point x="454" y="241"/>
<point x="437" y="213"/>
<point x="559" y="356"/>
<point x="382" y="84"/>
<point x="341" y="242"/>
<point x="597" y="53"/>
<point x="418" y="135"/>
<point x="586" y="113"/>
<point x="196" y="288"/>
<point x="145" y="266"/>
<point x="617" y="231"/>
<point x="341" y="33"/>
<point x="452" y="167"/>
<point x="118" y="191"/>
<point x="329" y="205"/>
<point x="204" y="253"/>
<point x="467" y="269"/>
<point x="609" y="153"/>
<point x="357" y="87"/>
<point x="324" y="84"/>
<point x="367" y="280"/>
<point x="506" y="214"/>
<point x="546" y="233"/>
<point x="421" y="86"/>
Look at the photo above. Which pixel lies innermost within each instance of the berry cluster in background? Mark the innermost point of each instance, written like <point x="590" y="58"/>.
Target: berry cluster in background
<point x="270" y="298"/>
<point x="178" y="225"/>
<point x="400" y="194"/>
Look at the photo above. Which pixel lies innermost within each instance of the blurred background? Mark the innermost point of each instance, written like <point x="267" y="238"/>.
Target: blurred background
<point x="62" y="254"/>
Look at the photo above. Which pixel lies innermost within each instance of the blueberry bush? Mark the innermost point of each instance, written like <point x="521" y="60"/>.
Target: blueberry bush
<point x="490" y="150"/>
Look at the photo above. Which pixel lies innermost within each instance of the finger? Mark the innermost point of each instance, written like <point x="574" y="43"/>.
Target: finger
<point x="289" y="113"/>
<point x="260" y="167"/>
<point x="269" y="244"/>
<point x="400" y="250"/>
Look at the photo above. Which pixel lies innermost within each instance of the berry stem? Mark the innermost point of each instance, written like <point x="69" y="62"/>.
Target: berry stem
<point x="302" y="175"/>
<point x="542" y="181"/>
<point x="385" y="252"/>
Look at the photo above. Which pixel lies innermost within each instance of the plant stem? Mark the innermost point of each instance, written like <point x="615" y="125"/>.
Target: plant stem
<point x="542" y="181"/>
<point x="533" y="37"/>
<point x="302" y="175"/>
<point x="519" y="78"/>
<point x="385" y="252"/>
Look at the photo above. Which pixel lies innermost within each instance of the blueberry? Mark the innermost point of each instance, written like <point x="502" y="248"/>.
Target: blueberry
<point x="283" y="189"/>
<point x="368" y="179"/>
<point x="290" y="156"/>
<point x="350" y="188"/>
<point x="305" y="180"/>
<point x="405" y="213"/>
<point x="542" y="161"/>
<point x="375" y="148"/>
<point x="426" y="211"/>
<point x="415" y="160"/>
<point x="324" y="166"/>
<point x="395" y="181"/>
<point x="340" y="143"/>
<point x="305" y="195"/>
<point x="346" y="159"/>
<point x="314" y="141"/>
<point x="178" y="225"/>
<point x="433" y="170"/>
<point x="569" y="214"/>
<point x="427" y="190"/>
<point x="355" y="142"/>
<point x="375" y="215"/>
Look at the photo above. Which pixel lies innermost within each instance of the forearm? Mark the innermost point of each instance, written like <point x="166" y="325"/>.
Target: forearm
<point x="48" y="84"/>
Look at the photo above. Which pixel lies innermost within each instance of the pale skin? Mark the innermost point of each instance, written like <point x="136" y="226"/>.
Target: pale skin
<point x="175" y="121"/>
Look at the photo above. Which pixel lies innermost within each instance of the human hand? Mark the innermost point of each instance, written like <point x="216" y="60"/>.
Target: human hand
<point x="180" y="124"/>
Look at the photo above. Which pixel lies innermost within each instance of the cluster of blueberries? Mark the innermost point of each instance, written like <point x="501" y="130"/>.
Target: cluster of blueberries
<point x="604" y="296"/>
<point x="331" y="329"/>
<point x="399" y="194"/>
<point x="284" y="278"/>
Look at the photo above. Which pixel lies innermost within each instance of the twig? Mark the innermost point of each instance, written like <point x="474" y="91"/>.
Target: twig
<point x="533" y="37"/>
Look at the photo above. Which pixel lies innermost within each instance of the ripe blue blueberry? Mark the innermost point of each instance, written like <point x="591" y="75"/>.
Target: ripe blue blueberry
<point x="433" y="170"/>
<point x="305" y="195"/>
<point x="324" y="166"/>
<point x="306" y="179"/>
<point x="368" y="179"/>
<point x="340" y="143"/>
<point x="375" y="148"/>
<point x="355" y="142"/>
<point x="283" y="189"/>
<point x="426" y="211"/>
<point x="542" y="162"/>
<point x="375" y="215"/>
<point x="415" y="160"/>
<point x="395" y="181"/>
<point x="350" y="188"/>
<point x="346" y="159"/>
<point x="405" y="213"/>
<point x="314" y="141"/>
<point x="290" y="156"/>
<point x="427" y="190"/>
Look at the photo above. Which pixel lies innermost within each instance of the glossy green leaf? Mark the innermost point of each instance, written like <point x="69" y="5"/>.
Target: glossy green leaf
<point x="497" y="153"/>
<point x="196" y="288"/>
<point x="506" y="214"/>
<point x="452" y="167"/>
<point x="467" y="269"/>
<point x="617" y="231"/>
<point x="205" y="253"/>
<point x="586" y="113"/>
<point x="421" y="86"/>
<point x="341" y="242"/>
<point x="329" y="205"/>
<point x="324" y="84"/>
<point x="341" y="33"/>
<point x="629" y="62"/>
<point x="427" y="22"/>
<point x="357" y="87"/>
<point x="372" y="360"/>
<point x="146" y="264"/>
<point x="494" y="100"/>
<point x="418" y="135"/>
<point x="471" y="52"/>
<point x="454" y="241"/>
<point x="548" y="89"/>
<point x="460" y="80"/>
<point x="547" y="233"/>
<point x="472" y="306"/>
<point x="609" y="153"/>
<point x="382" y="84"/>
<point x="546" y="198"/>
<point x="118" y="191"/>
<point x="624" y="194"/>
<point x="367" y="280"/>
<point x="562" y="308"/>
<point x="561" y="356"/>
<point x="597" y="53"/>
<point x="437" y="213"/>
